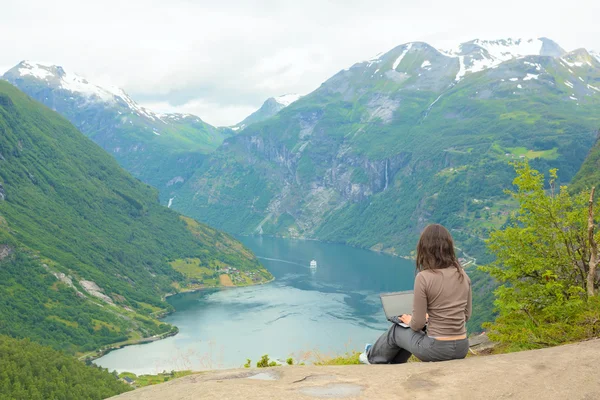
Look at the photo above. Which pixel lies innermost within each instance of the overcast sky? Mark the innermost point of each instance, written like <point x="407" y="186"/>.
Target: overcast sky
<point x="221" y="59"/>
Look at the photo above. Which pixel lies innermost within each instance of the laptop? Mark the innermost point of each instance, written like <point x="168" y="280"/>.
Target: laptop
<point x="395" y="304"/>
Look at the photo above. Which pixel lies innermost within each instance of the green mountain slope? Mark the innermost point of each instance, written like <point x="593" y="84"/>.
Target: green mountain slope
<point x="86" y="251"/>
<point x="589" y="174"/>
<point x="159" y="149"/>
<point x="34" y="372"/>
<point x="412" y="137"/>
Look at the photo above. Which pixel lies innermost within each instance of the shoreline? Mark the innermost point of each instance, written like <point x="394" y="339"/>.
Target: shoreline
<point x="117" y="346"/>
<point x="194" y="290"/>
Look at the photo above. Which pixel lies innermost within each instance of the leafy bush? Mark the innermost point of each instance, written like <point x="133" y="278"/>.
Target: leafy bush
<point x="542" y="262"/>
<point x="264" y="362"/>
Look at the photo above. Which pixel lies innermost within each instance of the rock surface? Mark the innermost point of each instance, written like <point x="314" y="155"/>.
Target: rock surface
<point x="556" y="373"/>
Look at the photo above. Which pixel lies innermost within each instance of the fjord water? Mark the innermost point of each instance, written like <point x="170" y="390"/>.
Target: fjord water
<point x="301" y="314"/>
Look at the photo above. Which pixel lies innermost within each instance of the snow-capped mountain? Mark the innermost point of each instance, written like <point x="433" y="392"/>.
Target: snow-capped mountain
<point x="470" y="57"/>
<point x="525" y="63"/>
<point x="410" y="136"/>
<point x="269" y="108"/>
<point x="57" y="78"/>
<point x="160" y="149"/>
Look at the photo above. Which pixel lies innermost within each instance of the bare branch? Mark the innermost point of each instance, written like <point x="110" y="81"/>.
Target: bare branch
<point x="591" y="277"/>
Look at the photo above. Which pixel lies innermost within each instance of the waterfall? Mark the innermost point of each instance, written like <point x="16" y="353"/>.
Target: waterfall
<point x="386" y="175"/>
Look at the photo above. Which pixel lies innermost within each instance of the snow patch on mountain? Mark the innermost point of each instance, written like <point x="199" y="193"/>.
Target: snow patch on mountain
<point x="77" y="84"/>
<point x="593" y="88"/>
<point x="511" y="48"/>
<point x="576" y="63"/>
<point x="35" y="70"/>
<point x="401" y="56"/>
<point x="461" y="69"/>
<point x="536" y="65"/>
<point x="479" y="55"/>
<point x="426" y="64"/>
<point x="287" y="99"/>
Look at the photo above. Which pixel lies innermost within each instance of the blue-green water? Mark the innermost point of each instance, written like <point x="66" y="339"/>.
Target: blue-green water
<point x="301" y="314"/>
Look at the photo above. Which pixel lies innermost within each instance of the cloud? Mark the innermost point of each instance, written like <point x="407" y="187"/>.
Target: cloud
<point x="225" y="58"/>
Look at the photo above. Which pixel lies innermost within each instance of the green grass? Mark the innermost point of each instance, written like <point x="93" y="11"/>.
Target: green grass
<point x="345" y="359"/>
<point x="191" y="268"/>
<point x="551" y="154"/>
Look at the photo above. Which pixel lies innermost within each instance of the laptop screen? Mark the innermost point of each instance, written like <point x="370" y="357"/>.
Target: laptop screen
<point x="397" y="303"/>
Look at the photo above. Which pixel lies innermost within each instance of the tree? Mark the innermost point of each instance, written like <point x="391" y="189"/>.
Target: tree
<point x="593" y="263"/>
<point x="546" y="263"/>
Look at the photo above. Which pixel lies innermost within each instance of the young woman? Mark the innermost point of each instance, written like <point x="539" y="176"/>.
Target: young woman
<point x="442" y="300"/>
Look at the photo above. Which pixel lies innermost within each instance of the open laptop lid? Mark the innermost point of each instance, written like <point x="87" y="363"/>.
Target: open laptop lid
<point x="397" y="303"/>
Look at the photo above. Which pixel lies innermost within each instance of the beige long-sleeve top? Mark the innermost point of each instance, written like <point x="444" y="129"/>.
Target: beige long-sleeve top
<point x="446" y="298"/>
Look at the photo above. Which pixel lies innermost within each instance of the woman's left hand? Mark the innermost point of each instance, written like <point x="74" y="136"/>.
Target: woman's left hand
<point x="406" y="318"/>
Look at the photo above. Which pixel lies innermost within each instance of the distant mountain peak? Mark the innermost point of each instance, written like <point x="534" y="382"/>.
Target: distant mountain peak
<point x="473" y="56"/>
<point x="270" y="107"/>
<point x="55" y="75"/>
<point x="58" y="78"/>
<point x="287" y="99"/>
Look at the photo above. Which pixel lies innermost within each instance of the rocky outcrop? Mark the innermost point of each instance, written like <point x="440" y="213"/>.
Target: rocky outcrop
<point x="2" y="193"/>
<point x="66" y="279"/>
<point x="5" y="251"/>
<point x="566" y="372"/>
<point x="96" y="291"/>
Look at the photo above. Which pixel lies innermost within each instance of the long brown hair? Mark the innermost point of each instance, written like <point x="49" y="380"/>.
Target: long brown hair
<point x="436" y="250"/>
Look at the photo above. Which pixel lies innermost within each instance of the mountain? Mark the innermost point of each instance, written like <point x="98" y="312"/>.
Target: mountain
<point x="415" y="136"/>
<point x="159" y="149"/>
<point x="269" y="108"/>
<point x="87" y="253"/>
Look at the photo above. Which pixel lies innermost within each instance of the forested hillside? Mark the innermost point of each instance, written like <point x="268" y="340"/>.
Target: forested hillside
<point x="86" y="250"/>
<point x="414" y="136"/>
<point x="29" y="371"/>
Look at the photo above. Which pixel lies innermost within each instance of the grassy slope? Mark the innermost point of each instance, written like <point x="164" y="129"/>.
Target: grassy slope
<point x="71" y="209"/>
